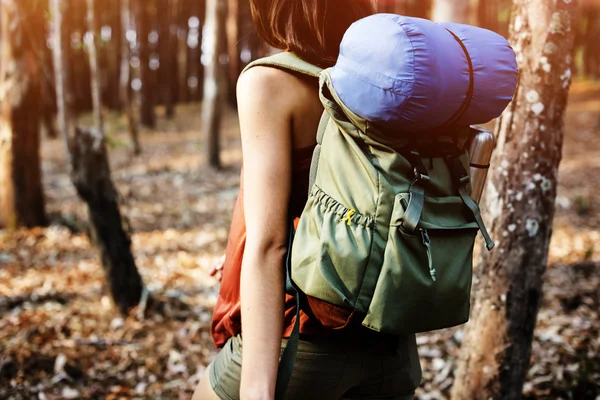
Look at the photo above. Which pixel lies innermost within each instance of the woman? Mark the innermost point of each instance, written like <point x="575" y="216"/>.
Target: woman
<point x="279" y="114"/>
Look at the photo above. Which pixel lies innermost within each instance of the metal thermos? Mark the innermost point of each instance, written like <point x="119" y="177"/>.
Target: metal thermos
<point x="481" y="147"/>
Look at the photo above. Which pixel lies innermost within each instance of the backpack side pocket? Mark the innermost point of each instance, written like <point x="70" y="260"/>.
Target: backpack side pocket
<point x="425" y="281"/>
<point x="330" y="254"/>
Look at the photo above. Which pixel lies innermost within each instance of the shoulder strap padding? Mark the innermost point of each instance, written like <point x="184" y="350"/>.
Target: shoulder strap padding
<point x="314" y="165"/>
<point x="287" y="61"/>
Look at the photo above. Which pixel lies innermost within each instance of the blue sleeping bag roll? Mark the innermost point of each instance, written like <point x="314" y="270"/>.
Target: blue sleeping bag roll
<point x="413" y="75"/>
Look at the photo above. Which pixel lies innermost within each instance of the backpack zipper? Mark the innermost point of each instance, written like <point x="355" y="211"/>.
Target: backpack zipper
<point x="427" y="244"/>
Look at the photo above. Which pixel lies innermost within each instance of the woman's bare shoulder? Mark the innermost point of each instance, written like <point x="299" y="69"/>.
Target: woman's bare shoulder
<point x="271" y="84"/>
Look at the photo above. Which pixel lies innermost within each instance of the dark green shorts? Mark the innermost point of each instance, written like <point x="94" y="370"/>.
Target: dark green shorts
<point x="353" y="365"/>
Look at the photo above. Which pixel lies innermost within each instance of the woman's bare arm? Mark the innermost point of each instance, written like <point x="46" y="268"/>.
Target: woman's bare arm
<point x="265" y="110"/>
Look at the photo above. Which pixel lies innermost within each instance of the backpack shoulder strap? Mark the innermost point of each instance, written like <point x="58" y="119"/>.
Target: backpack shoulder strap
<point x="314" y="165"/>
<point x="288" y="62"/>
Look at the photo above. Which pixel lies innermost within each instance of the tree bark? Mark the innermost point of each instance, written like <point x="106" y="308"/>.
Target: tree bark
<point x="451" y="11"/>
<point x="194" y="52"/>
<point x="520" y="206"/>
<point x="113" y="99"/>
<point x="168" y="53"/>
<point x="386" y="6"/>
<point x="214" y="81"/>
<point x="125" y="77"/>
<point x="91" y="176"/>
<point x="78" y="61"/>
<point x="233" y="48"/>
<point x="419" y="8"/>
<point x="21" y="195"/>
<point x="94" y="75"/>
<point x="591" y="51"/>
<point x="182" y="63"/>
<point x="147" y="112"/>
<point x="60" y="76"/>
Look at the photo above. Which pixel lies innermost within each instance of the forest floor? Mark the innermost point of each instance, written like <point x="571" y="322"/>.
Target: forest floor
<point x="60" y="337"/>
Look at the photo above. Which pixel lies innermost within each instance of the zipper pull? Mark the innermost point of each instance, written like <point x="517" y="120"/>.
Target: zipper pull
<point x="427" y="244"/>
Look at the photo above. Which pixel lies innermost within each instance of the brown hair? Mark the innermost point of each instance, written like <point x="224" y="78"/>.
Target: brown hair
<point x="312" y="29"/>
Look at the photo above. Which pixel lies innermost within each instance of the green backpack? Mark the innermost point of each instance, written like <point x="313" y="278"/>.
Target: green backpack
<point x="386" y="238"/>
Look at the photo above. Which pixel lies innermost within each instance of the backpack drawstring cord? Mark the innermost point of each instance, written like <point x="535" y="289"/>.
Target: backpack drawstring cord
<point x="349" y="216"/>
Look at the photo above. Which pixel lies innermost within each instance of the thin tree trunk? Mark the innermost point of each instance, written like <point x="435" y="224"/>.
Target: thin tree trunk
<point x="182" y="52"/>
<point x="451" y="11"/>
<point x="194" y="52"/>
<point x="200" y="66"/>
<point x="168" y="52"/>
<point x="114" y="82"/>
<point x="234" y="22"/>
<point x="214" y="81"/>
<point x="125" y="83"/>
<point x="81" y="75"/>
<point x="401" y="7"/>
<point x="591" y="51"/>
<point x="48" y="97"/>
<point x="147" y="112"/>
<point x="173" y="77"/>
<point x="487" y="15"/>
<point x="21" y="196"/>
<point x="90" y="174"/>
<point x="386" y="6"/>
<point x="419" y="8"/>
<point x="174" y="38"/>
<point x="520" y="206"/>
<point x="59" y="78"/>
<point x="92" y="178"/>
<point x="95" y="80"/>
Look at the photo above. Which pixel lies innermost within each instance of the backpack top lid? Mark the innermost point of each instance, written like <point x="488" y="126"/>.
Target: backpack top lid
<point x="415" y="75"/>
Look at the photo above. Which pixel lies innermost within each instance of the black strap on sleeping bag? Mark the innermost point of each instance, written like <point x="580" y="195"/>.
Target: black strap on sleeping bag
<point x="465" y="105"/>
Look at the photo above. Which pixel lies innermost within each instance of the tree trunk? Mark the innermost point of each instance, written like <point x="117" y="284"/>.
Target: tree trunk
<point x="419" y="8"/>
<point x="94" y="78"/>
<point x="520" y="205"/>
<point x="49" y="97"/>
<point x="174" y="38"/>
<point x="386" y="6"/>
<point x="591" y="50"/>
<point x="60" y="76"/>
<point x="147" y="112"/>
<point x="214" y="81"/>
<point x="114" y="81"/>
<point x="451" y="11"/>
<point x="247" y="34"/>
<point x="233" y="42"/>
<point x="182" y="46"/>
<point x="393" y="6"/>
<point x="79" y="65"/>
<point x="168" y="53"/>
<point x="194" y="51"/>
<point x="91" y="176"/>
<point x="21" y="195"/>
<point x="125" y="83"/>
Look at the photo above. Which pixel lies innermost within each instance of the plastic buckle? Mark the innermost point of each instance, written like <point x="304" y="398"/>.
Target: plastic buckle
<point x="419" y="176"/>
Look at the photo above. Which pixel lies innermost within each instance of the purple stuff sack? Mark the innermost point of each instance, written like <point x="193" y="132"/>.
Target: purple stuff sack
<point x="411" y="75"/>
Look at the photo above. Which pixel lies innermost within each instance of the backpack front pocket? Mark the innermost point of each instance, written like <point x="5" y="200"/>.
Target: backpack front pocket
<point x="331" y="251"/>
<point x="425" y="280"/>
